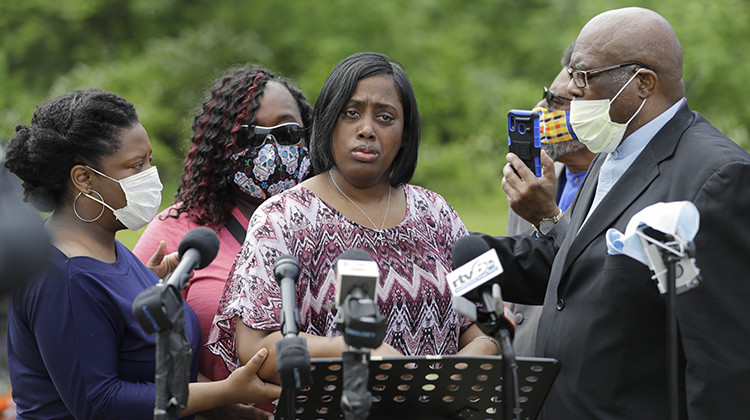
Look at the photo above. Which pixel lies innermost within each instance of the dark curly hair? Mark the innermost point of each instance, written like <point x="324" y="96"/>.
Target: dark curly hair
<point x="79" y="127"/>
<point x="206" y="189"/>
<point x="336" y="92"/>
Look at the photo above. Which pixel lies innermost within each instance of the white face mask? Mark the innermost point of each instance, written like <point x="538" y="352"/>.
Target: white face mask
<point x="594" y="127"/>
<point x="143" y="195"/>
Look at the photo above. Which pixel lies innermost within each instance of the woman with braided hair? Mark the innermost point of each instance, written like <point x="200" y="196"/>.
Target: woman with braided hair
<point x="249" y="143"/>
<point x="75" y="349"/>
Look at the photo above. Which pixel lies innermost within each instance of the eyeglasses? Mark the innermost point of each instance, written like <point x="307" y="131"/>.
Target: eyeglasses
<point x="552" y="98"/>
<point x="255" y="136"/>
<point x="581" y="77"/>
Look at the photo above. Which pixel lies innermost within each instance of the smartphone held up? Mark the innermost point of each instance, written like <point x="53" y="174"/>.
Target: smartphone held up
<point x="524" y="138"/>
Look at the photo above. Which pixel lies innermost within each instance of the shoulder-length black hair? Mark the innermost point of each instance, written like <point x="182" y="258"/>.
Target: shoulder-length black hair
<point x="336" y="92"/>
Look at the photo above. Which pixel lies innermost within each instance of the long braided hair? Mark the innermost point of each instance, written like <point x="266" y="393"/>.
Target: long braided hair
<point x="206" y="189"/>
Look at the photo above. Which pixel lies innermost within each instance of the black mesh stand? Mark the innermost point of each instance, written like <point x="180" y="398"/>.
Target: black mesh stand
<point x="430" y="387"/>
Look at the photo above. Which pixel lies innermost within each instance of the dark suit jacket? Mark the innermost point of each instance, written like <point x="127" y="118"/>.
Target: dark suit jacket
<point x="527" y="316"/>
<point x="603" y="317"/>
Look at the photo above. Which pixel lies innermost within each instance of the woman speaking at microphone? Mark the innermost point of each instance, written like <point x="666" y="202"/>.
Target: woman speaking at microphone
<point x="364" y="150"/>
<point x="75" y="349"/>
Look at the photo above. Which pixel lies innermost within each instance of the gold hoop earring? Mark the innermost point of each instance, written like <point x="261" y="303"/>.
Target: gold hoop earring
<point x="79" y="216"/>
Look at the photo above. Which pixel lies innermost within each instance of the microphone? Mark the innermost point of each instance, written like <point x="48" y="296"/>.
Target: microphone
<point x="160" y="309"/>
<point x="197" y="249"/>
<point x="292" y="356"/>
<point x="361" y="324"/>
<point x="286" y="271"/>
<point x="358" y="318"/>
<point x="355" y="269"/>
<point x="155" y="308"/>
<point x="655" y="243"/>
<point x="670" y="252"/>
<point x="476" y="279"/>
<point x="25" y="246"/>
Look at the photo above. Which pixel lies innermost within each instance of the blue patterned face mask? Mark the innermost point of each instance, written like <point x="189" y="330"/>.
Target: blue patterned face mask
<point x="262" y="172"/>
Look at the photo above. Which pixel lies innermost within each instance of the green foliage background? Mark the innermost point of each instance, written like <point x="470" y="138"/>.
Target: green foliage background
<point x="469" y="62"/>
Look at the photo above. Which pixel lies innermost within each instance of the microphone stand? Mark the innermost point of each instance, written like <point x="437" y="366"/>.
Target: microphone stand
<point x="490" y="322"/>
<point x="363" y="329"/>
<point x="510" y="376"/>
<point x="355" y="397"/>
<point x="293" y="365"/>
<point x="670" y="260"/>
<point x="292" y="356"/>
<point x="160" y="309"/>
<point x="671" y="252"/>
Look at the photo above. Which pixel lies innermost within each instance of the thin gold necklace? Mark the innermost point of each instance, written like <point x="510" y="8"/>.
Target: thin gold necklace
<point x="387" y="207"/>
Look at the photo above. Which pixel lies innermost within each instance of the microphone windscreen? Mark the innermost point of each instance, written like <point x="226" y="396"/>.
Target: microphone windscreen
<point x="205" y="241"/>
<point x="467" y="248"/>
<point x="286" y="267"/>
<point x="356" y="254"/>
<point x="25" y="246"/>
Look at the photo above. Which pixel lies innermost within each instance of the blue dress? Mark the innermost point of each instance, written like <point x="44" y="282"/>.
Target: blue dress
<point x="75" y="350"/>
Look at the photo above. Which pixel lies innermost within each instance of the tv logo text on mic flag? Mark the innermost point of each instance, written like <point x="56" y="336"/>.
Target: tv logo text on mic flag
<point x="474" y="273"/>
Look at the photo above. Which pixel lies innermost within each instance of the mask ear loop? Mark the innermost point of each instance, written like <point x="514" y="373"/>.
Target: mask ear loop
<point x="637" y="111"/>
<point x="626" y="85"/>
<point x="623" y="88"/>
<point x="76" y="211"/>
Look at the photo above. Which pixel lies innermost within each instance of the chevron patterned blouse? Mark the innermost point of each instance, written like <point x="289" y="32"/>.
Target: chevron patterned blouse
<point x="414" y="259"/>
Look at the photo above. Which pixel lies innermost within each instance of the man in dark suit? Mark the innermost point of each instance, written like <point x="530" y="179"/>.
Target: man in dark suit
<point x="603" y="317"/>
<point x="572" y="160"/>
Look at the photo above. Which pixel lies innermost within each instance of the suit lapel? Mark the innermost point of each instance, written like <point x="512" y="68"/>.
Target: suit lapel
<point x="579" y="207"/>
